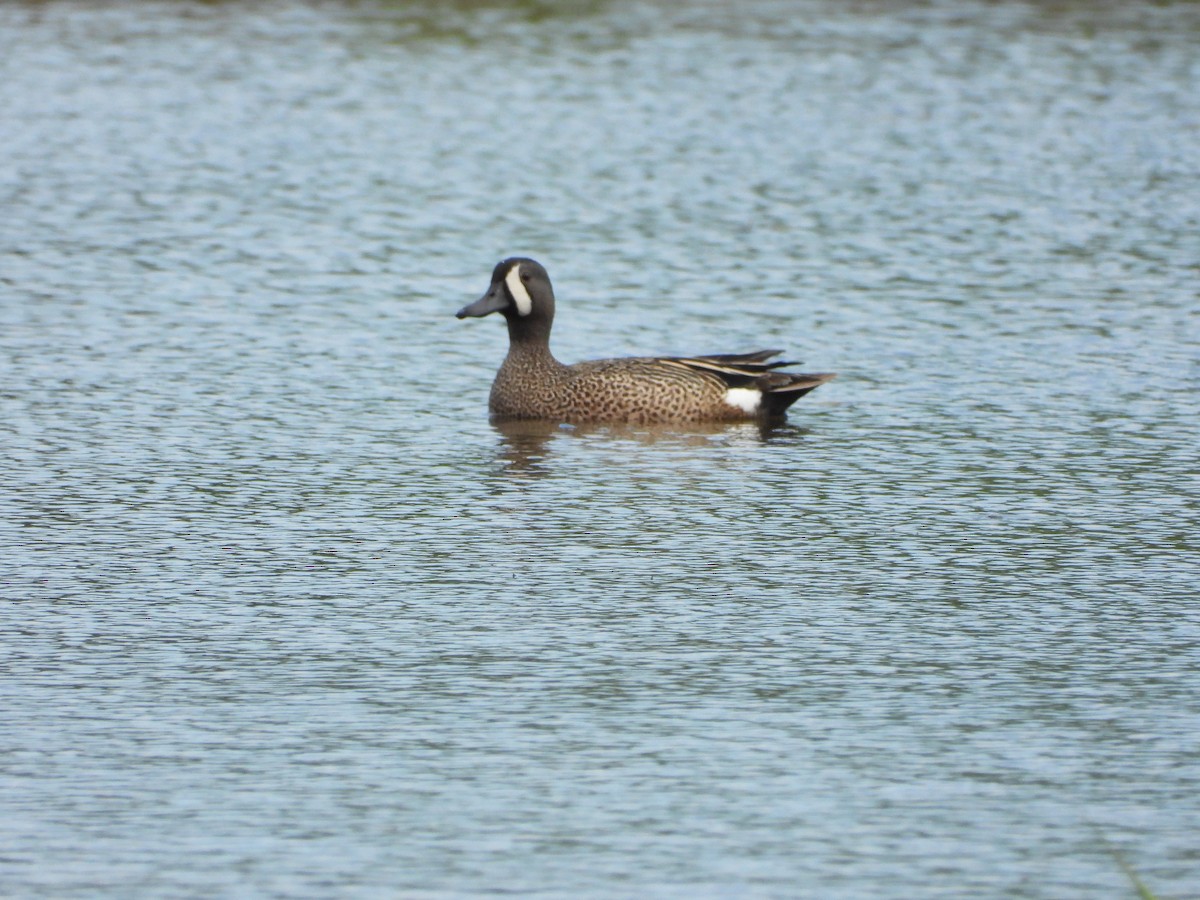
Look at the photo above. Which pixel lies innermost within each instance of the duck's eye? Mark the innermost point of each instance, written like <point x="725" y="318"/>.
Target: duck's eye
<point x="525" y="276"/>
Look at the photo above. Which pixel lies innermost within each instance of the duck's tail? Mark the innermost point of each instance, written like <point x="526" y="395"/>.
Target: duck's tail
<point x="779" y="389"/>
<point x="782" y="389"/>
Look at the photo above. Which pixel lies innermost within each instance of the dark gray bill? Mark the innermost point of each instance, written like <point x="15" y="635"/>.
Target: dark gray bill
<point x="495" y="299"/>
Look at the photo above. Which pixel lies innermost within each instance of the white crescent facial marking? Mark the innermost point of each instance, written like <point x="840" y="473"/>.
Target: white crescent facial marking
<point x="745" y="399"/>
<point x="517" y="289"/>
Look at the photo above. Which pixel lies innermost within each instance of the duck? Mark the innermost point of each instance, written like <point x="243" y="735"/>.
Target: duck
<point x="637" y="390"/>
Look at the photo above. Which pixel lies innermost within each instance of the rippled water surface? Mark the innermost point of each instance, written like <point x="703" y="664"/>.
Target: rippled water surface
<point x="284" y="615"/>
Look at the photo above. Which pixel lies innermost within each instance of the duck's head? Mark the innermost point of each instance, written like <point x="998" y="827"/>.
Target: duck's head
<point x="520" y="291"/>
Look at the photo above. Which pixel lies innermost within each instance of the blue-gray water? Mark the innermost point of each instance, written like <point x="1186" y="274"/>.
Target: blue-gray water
<point x="284" y="616"/>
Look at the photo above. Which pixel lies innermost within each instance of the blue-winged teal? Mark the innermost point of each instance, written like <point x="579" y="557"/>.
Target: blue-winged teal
<point x="532" y="384"/>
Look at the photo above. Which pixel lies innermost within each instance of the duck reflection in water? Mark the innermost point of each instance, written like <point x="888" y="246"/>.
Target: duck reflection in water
<point x="526" y="444"/>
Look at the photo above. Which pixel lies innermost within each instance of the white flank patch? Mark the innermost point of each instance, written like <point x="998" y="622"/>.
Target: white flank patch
<point x="519" y="294"/>
<point x="745" y="399"/>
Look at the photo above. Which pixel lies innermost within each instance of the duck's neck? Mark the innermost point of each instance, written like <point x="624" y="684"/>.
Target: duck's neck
<point x="529" y="337"/>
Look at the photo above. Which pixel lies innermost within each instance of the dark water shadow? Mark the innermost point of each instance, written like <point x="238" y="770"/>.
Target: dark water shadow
<point x="469" y="22"/>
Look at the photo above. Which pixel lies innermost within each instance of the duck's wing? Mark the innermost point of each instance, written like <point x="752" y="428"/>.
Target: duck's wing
<point x="735" y="369"/>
